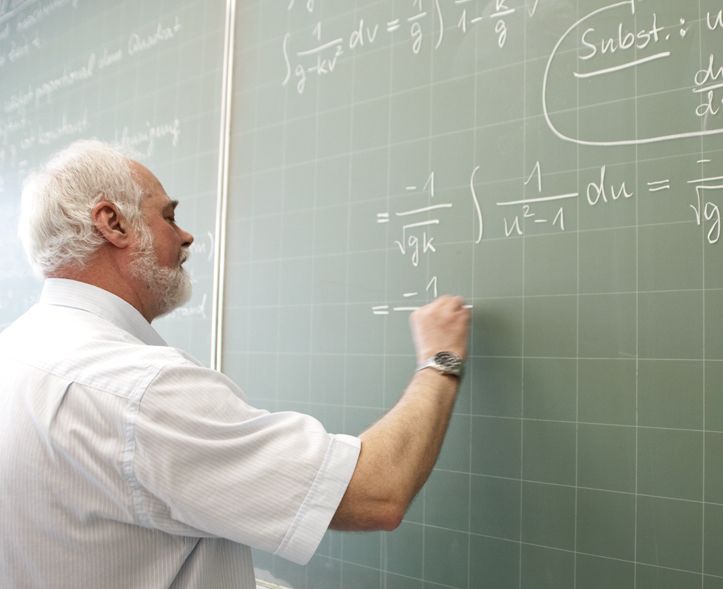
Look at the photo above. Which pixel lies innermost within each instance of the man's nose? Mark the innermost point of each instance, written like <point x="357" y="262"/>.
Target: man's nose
<point x="187" y="238"/>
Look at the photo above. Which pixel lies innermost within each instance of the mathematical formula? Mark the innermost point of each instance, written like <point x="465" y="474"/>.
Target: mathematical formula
<point x="415" y="240"/>
<point x="426" y="22"/>
<point x="594" y="59"/>
<point x="581" y="58"/>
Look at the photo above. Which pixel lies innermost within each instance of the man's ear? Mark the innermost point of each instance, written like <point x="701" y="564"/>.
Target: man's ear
<point x="111" y="223"/>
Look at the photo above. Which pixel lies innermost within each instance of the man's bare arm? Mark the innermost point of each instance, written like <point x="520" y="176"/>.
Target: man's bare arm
<point x="400" y="450"/>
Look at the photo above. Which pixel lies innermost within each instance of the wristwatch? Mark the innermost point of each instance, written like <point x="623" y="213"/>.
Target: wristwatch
<point x="444" y="362"/>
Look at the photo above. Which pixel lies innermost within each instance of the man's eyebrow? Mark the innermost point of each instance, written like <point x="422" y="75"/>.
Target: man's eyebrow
<point x="172" y="204"/>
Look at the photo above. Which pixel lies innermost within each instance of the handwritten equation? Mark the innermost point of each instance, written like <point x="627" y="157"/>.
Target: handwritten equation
<point x="411" y="243"/>
<point x="414" y="238"/>
<point x="426" y="21"/>
<point x="590" y="72"/>
<point x="592" y="56"/>
<point x="601" y="192"/>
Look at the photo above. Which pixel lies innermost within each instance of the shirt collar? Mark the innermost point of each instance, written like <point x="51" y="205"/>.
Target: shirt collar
<point x="86" y="297"/>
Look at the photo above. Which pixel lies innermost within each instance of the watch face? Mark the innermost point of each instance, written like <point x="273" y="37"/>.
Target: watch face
<point x="449" y="360"/>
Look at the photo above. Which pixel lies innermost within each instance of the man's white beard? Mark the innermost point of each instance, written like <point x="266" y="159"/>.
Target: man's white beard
<point x="169" y="288"/>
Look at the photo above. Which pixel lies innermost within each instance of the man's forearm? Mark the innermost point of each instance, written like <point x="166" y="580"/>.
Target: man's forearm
<point x="398" y="454"/>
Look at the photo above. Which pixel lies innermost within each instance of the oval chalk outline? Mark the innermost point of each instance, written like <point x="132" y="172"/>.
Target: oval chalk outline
<point x="578" y="141"/>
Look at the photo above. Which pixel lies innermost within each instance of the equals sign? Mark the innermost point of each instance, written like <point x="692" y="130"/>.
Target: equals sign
<point x="393" y="25"/>
<point x="657" y="185"/>
<point x="381" y="310"/>
<point x="382" y="217"/>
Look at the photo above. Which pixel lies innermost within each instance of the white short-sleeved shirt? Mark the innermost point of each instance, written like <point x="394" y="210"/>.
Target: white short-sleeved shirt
<point x="124" y="463"/>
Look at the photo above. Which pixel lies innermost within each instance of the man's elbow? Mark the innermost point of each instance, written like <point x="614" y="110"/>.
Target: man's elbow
<point x="387" y="511"/>
<point x="390" y="518"/>
<point x="385" y="516"/>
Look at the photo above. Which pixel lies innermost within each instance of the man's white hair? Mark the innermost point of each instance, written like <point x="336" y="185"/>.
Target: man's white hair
<point x="56" y="228"/>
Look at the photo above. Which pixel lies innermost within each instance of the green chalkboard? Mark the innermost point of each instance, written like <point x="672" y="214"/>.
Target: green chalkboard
<point x="559" y="163"/>
<point x="146" y="75"/>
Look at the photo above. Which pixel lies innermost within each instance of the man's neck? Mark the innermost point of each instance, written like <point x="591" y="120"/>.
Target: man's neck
<point x="105" y="272"/>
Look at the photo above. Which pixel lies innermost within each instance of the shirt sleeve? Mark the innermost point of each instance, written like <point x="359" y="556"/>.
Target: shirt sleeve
<point x="205" y="463"/>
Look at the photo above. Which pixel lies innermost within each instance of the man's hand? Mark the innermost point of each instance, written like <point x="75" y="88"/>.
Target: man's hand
<point x="440" y="326"/>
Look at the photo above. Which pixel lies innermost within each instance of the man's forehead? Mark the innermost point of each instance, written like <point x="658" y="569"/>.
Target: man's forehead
<point x="141" y="174"/>
<point x="152" y="188"/>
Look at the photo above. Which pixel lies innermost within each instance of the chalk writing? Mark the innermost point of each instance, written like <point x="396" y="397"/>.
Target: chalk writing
<point x="714" y="21"/>
<point x="143" y="142"/>
<point x="19" y="50"/>
<point x="425" y="21"/>
<point x="541" y="210"/>
<point x="11" y="126"/>
<point x="64" y="129"/>
<point x="625" y="40"/>
<point x="42" y="135"/>
<point x="27" y="18"/>
<point x="109" y="58"/>
<point x="416" y="237"/>
<point x="709" y="80"/>
<point x="138" y="43"/>
<point x="308" y="5"/>
<point x="18" y="100"/>
<point x="602" y="192"/>
<point x="47" y="89"/>
<point x="621" y="35"/>
<point x="706" y="211"/>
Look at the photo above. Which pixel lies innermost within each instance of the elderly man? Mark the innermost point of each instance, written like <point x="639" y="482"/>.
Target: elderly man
<point x="126" y="464"/>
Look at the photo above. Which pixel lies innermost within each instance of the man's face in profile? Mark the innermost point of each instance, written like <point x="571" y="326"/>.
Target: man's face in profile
<point x="161" y="248"/>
